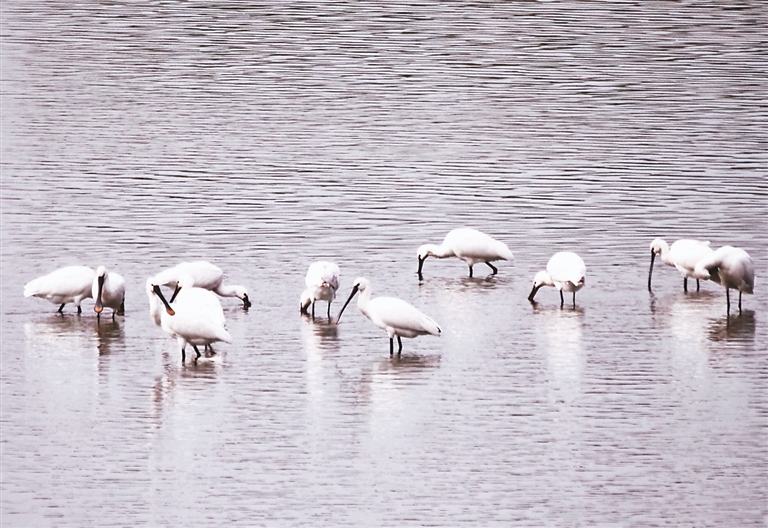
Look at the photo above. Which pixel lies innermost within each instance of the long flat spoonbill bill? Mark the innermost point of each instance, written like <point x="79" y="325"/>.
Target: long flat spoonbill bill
<point x="109" y="290"/>
<point x="731" y="268"/>
<point x="205" y="275"/>
<point x="322" y="281"/>
<point x="71" y="284"/>
<point x="196" y="317"/>
<point x="565" y="271"/>
<point x="470" y="245"/>
<point x="683" y="254"/>
<point x="394" y="316"/>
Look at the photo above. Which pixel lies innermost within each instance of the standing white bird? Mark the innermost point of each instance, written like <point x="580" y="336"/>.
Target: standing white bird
<point x="109" y="290"/>
<point x="205" y="275"/>
<point x="684" y="254"/>
<point x="66" y="285"/>
<point x="470" y="245"/>
<point x="565" y="271"/>
<point x="395" y="316"/>
<point x="322" y="282"/>
<point x="730" y="267"/>
<point x="196" y="317"/>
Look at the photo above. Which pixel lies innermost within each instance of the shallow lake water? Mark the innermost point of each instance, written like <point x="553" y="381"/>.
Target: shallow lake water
<point x="263" y="138"/>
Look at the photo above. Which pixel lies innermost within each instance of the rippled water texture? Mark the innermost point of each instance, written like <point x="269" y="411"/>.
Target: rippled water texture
<point x="139" y="134"/>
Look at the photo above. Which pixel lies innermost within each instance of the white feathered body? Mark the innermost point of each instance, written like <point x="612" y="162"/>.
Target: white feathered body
<point x="71" y="284"/>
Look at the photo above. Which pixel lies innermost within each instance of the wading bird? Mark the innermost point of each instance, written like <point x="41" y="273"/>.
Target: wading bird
<point x="565" y="271"/>
<point x="731" y="268"/>
<point x="205" y="275"/>
<point x="322" y="282"/>
<point x="66" y="285"/>
<point x="109" y="290"/>
<point x="684" y="254"/>
<point x="469" y="245"/>
<point x="394" y="316"/>
<point x="196" y="317"/>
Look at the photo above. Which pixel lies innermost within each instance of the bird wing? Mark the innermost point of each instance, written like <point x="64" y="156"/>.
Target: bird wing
<point x="686" y="253"/>
<point x="474" y="244"/>
<point x="71" y="281"/>
<point x="566" y="267"/>
<point x="402" y="316"/>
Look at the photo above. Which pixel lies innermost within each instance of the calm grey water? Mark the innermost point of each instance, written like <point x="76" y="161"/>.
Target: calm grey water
<point x="261" y="138"/>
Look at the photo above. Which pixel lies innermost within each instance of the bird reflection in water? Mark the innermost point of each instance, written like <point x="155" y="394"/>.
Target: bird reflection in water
<point x="734" y="328"/>
<point x="562" y="329"/>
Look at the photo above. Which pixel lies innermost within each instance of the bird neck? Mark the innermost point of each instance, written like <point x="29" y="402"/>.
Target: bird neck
<point x="226" y="291"/>
<point x="441" y="251"/>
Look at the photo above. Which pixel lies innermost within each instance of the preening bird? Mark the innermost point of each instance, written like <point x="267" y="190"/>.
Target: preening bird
<point x="470" y="245"/>
<point x="109" y="291"/>
<point x="66" y="285"/>
<point x="683" y="255"/>
<point x="204" y="275"/>
<point x="731" y="268"/>
<point x="565" y="271"/>
<point x="394" y="316"/>
<point x="322" y="281"/>
<point x="195" y="318"/>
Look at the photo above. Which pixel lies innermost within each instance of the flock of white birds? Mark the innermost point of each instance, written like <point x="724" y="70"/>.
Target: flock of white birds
<point x="193" y="314"/>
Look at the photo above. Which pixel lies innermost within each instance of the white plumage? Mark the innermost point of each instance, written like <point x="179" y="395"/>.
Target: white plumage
<point x="322" y="281"/>
<point x="394" y="316"/>
<point x="730" y="267"/>
<point x="565" y="271"/>
<point x="195" y="318"/>
<point x="683" y="255"/>
<point x="470" y="245"/>
<point x="66" y="285"/>
<point x="204" y="275"/>
<point x="108" y="288"/>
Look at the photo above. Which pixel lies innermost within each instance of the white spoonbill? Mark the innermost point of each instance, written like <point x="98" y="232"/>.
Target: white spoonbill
<point x="470" y="245"/>
<point x="205" y="275"/>
<point x="196" y="317"/>
<point x="395" y="316"/>
<point x="684" y="254"/>
<point x="322" y="282"/>
<point x="730" y="267"/>
<point x="66" y="285"/>
<point x="565" y="271"/>
<point x="109" y="290"/>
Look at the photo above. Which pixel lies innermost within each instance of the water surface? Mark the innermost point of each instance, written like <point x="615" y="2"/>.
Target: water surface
<point x="262" y="138"/>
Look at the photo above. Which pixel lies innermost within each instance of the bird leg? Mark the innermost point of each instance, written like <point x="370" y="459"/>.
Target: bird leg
<point x="313" y="310"/>
<point x="196" y="352"/>
<point x="562" y="301"/>
<point x="61" y="308"/>
<point x="183" y="356"/>
<point x="739" y="302"/>
<point x="495" y="271"/>
<point x="470" y="271"/>
<point x="728" y="301"/>
<point x="329" y="310"/>
<point x="79" y="309"/>
<point x="391" y="347"/>
<point x="697" y="285"/>
<point x="685" y="284"/>
<point x="399" y="346"/>
<point x="574" y="299"/>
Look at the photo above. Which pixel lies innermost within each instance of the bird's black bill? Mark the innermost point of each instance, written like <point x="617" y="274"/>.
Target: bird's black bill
<point x="533" y="292"/>
<point x="175" y="292"/>
<point x="99" y="306"/>
<point x="650" y="271"/>
<point x="354" y="291"/>
<point x="246" y="302"/>
<point x="159" y="293"/>
<point x="421" y="265"/>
